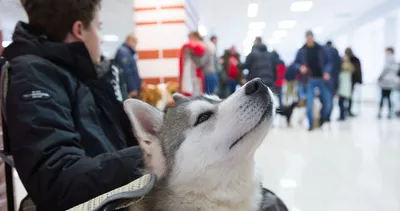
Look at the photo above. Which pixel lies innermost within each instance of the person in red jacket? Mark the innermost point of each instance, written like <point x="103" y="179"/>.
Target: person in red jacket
<point x="191" y="77"/>
<point x="280" y="77"/>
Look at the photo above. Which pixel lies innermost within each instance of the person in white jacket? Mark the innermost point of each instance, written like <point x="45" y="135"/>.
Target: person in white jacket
<point x="388" y="80"/>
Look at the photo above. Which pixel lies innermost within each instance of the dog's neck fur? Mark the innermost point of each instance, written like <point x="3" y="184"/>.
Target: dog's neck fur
<point x="218" y="189"/>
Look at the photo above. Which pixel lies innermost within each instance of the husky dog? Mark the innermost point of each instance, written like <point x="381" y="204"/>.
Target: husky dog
<point x="202" y="150"/>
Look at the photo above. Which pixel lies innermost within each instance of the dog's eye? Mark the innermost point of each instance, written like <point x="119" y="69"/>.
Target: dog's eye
<point x="203" y="117"/>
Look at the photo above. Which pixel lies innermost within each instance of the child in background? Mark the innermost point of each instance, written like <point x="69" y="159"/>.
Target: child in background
<point x="344" y="90"/>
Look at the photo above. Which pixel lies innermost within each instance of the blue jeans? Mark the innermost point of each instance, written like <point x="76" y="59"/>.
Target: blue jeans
<point x="325" y="97"/>
<point x="210" y="83"/>
<point x="232" y="85"/>
<point x="301" y="91"/>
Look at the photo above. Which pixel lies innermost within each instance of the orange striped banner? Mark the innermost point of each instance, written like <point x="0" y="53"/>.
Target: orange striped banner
<point x="144" y="23"/>
<point x="157" y="80"/>
<point x="169" y="7"/>
<point x="149" y="54"/>
<point x="173" y="22"/>
<point x="155" y="54"/>
<point x="138" y="9"/>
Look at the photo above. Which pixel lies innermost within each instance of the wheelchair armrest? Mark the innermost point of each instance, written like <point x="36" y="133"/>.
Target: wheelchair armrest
<point x="121" y="197"/>
<point x="8" y="159"/>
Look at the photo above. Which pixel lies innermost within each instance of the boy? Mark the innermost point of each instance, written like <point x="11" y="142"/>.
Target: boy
<point x="68" y="134"/>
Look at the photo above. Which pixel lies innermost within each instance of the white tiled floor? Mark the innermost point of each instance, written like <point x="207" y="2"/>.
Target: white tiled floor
<point x="349" y="166"/>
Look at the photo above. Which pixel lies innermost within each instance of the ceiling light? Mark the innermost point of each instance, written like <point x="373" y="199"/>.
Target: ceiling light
<point x="5" y="43"/>
<point x="203" y="30"/>
<point x="287" y="24"/>
<point x="301" y="6"/>
<point x="110" y="38"/>
<point x="257" y="25"/>
<point x="318" y="30"/>
<point x="280" y="33"/>
<point x="252" y="10"/>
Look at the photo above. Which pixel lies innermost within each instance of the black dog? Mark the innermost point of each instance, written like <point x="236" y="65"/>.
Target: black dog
<point x="287" y="111"/>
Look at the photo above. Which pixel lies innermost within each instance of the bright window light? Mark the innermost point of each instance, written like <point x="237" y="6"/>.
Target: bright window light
<point x="110" y="38"/>
<point x="301" y="6"/>
<point x="252" y="10"/>
<point x="287" y="24"/>
<point x="318" y="30"/>
<point x="273" y="41"/>
<point x="5" y="43"/>
<point x="257" y="25"/>
<point x="280" y="33"/>
<point x="254" y="33"/>
<point x="203" y="30"/>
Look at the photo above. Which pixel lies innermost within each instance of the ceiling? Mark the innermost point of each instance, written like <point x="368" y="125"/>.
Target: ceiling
<point x="227" y="19"/>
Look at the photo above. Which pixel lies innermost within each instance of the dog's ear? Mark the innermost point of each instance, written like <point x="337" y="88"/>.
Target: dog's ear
<point x="179" y="98"/>
<point x="146" y="122"/>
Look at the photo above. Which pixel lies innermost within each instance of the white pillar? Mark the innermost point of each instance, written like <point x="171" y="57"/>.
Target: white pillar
<point x="161" y="28"/>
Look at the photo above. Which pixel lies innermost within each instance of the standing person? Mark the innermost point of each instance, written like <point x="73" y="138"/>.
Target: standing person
<point x="70" y="138"/>
<point x="280" y="77"/>
<point x="388" y="80"/>
<point x="291" y="82"/>
<point x="208" y="65"/>
<point x="232" y="68"/>
<point x="126" y="58"/>
<point x="335" y="71"/>
<point x="344" y="86"/>
<point x="191" y="77"/>
<point x="314" y="64"/>
<point x="261" y="64"/>
<point x="356" y="78"/>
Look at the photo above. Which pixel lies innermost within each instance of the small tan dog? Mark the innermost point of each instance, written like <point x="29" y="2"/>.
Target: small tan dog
<point x="160" y="95"/>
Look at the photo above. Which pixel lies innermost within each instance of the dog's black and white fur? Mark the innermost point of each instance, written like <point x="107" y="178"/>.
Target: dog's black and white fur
<point x="202" y="151"/>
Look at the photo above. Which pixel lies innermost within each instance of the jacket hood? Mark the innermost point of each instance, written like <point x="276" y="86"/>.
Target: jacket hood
<point x="73" y="57"/>
<point x="260" y="47"/>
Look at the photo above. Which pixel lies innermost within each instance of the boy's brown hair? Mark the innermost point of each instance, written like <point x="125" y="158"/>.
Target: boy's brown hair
<point x="55" y="18"/>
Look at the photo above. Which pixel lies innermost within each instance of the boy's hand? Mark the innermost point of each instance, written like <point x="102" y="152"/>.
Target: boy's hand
<point x="303" y="69"/>
<point x="327" y="76"/>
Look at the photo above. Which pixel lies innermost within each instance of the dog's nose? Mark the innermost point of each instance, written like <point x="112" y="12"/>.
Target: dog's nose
<point x="255" y="86"/>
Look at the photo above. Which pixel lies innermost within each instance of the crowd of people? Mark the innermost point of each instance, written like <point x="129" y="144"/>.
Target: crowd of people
<point x="317" y="70"/>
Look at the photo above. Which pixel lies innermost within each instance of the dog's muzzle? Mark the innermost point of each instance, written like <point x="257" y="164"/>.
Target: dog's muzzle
<point x="256" y="86"/>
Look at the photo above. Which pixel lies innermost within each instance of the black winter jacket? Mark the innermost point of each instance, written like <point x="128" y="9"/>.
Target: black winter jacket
<point x="70" y="137"/>
<point x="261" y="64"/>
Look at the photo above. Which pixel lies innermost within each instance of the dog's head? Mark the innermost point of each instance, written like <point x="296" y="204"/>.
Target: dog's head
<point x="203" y="135"/>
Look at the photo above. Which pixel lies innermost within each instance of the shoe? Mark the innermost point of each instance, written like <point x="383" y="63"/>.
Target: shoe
<point x="341" y="119"/>
<point x="379" y="116"/>
<point x="351" y="114"/>
<point x="310" y="129"/>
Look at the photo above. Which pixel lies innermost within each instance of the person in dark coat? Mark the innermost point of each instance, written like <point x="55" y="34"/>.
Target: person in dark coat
<point x="356" y="77"/>
<point x="314" y="64"/>
<point x="69" y="135"/>
<point x="336" y="68"/>
<point x="261" y="64"/>
<point x="126" y="58"/>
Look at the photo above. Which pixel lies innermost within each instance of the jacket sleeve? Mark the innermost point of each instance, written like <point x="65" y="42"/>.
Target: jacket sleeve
<point x="247" y="63"/>
<point x="128" y="63"/>
<point x="48" y="154"/>
<point x="328" y="61"/>
<point x="298" y="62"/>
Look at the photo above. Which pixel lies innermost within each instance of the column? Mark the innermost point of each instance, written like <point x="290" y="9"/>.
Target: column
<point x="161" y="28"/>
